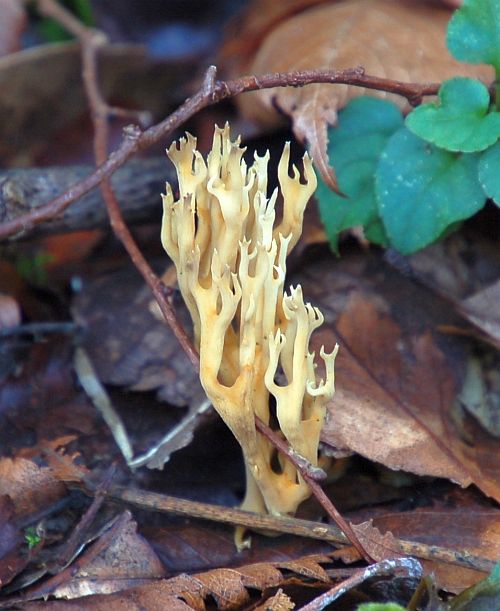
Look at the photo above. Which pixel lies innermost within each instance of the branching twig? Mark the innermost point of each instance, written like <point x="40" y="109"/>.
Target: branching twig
<point x="407" y="567"/>
<point x="136" y="140"/>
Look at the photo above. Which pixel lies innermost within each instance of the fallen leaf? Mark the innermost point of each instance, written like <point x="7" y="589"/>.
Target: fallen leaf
<point x="124" y="564"/>
<point x="202" y="546"/>
<point x="370" y="33"/>
<point x="474" y="529"/>
<point x="228" y="587"/>
<point x="480" y="391"/>
<point x="397" y="376"/>
<point x="29" y="486"/>
<point x="465" y="269"/>
<point x="246" y="31"/>
<point x="128" y="346"/>
<point x="393" y="400"/>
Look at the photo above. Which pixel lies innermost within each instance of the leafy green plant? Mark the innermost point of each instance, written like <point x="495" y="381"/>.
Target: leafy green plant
<point x="31" y="537"/>
<point x="410" y="181"/>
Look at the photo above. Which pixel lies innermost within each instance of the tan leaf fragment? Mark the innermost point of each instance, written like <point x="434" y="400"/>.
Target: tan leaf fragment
<point x="279" y="602"/>
<point x="379" y="546"/>
<point x="308" y="567"/>
<point x="397" y="39"/>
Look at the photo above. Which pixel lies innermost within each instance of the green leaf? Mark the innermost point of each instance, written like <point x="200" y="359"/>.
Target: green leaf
<point x="474" y="33"/>
<point x="364" y="126"/>
<point x="380" y="607"/>
<point x="422" y="190"/>
<point x="489" y="172"/>
<point x="460" y="120"/>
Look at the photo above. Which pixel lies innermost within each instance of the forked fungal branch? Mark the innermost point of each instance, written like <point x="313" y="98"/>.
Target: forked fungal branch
<point x="231" y="265"/>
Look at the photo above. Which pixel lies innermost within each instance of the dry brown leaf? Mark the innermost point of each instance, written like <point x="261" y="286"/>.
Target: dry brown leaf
<point x="475" y="529"/>
<point x="279" y="602"/>
<point x="393" y="401"/>
<point x="246" y="31"/>
<point x="129" y="561"/>
<point x="132" y="347"/>
<point x="30" y="487"/>
<point x="464" y="268"/>
<point x="227" y="586"/>
<point x="379" y="546"/>
<point x="397" y="39"/>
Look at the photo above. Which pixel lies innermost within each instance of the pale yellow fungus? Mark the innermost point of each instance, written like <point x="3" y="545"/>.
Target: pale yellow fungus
<point x="253" y="339"/>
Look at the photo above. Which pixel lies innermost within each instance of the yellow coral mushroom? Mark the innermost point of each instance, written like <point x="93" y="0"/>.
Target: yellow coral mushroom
<point x="231" y="264"/>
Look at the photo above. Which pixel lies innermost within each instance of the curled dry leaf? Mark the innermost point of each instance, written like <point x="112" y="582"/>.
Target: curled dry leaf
<point x="397" y="39"/>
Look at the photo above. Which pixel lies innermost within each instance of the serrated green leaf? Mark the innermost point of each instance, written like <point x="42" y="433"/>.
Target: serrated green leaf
<point x="489" y="172"/>
<point x="474" y="33"/>
<point x="364" y="126"/>
<point x="460" y="120"/>
<point x="421" y="190"/>
<point x="380" y="607"/>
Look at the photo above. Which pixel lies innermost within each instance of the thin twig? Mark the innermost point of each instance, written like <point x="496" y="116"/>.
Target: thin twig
<point x="41" y="328"/>
<point x="228" y="515"/>
<point x="162" y="503"/>
<point x="136" y="140"/>
<point x="407" y="567"/>
<point x="74" y="541"/>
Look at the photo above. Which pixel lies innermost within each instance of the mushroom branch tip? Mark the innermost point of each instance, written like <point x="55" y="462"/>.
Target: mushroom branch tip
<point x="252" y="336"/>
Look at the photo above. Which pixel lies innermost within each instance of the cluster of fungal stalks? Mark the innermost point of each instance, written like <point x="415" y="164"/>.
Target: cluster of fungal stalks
<point x="253" y="339"/>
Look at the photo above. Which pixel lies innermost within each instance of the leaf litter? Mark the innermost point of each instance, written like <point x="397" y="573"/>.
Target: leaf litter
<point x="59" y="438"/>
